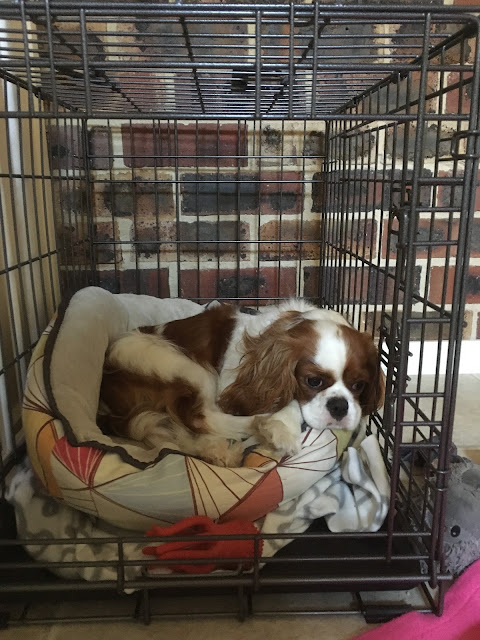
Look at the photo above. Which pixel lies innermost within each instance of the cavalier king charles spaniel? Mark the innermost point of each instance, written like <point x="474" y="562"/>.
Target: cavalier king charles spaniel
<point x="222" y="375"/>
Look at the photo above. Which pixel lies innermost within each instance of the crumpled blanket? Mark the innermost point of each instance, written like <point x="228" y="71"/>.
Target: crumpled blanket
<point x="39" y="516"/>
<point x="352" y="496"/>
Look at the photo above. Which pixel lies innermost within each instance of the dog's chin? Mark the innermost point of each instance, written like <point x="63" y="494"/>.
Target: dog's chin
<point x="323" y="420"/>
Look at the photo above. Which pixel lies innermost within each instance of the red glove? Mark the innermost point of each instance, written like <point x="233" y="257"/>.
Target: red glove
<point x="198" y="549"/>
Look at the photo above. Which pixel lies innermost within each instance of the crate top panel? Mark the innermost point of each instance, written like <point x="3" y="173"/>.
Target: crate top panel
<point x="124" y="59"/>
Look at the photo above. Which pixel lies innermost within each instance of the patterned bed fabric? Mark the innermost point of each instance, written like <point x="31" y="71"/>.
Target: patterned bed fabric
<point x="128" y="485"/>
<point x="359" y="504"/>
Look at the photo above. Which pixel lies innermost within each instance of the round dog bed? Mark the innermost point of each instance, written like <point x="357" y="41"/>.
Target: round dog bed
<point x="124" y="482"/>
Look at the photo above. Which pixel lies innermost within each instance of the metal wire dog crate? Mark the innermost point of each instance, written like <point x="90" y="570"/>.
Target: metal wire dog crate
<point x="249" y="153"/>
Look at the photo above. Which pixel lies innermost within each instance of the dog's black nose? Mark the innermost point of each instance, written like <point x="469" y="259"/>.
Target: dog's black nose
<point x="338" y="407"/>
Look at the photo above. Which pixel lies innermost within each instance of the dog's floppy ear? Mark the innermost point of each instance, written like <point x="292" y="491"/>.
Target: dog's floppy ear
<point x="373" y="396"/>
<point x="266" y="379"/>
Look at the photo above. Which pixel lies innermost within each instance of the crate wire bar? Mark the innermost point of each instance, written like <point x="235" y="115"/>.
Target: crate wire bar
<point x="248" y="153"/>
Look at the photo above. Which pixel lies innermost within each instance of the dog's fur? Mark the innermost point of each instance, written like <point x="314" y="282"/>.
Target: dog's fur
<point x="222" y="374"/>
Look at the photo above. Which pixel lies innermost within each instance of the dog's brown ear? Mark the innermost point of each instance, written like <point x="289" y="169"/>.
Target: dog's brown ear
<point x="376" y="393"/>
<point x="266" y="379"/>
<point x="373" y="396"/>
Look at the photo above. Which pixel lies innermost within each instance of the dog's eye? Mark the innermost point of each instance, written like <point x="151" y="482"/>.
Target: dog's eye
<point x="358" y="387"/>
<point x="314" y="382"/>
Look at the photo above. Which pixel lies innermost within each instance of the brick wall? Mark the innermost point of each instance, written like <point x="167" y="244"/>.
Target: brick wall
<point x="221" y="210"/>
<point x="232" y="210"/>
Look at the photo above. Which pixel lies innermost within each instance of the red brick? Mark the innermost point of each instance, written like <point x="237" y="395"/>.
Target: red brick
<point x="147" y="89"/>
<point x="66" y="146"/>
<point x="311" y="279"/>
<point x="271" y="37"/>
<point x="437" y="279"/>
<point x="271" y="140"/>
<point x="314" y="145"/>
<point x="75" y="245"/>
<point x="430" y="141"/>
<point x="411" y="46"/>
<point x="270" y="193"/>
<point x="318" y="191"/>
<point x="358" y="190"/>
<point x="450" y="195"/>
<point x="214" y="239"/>
<point x="452" y="100"/>
<point x="473" y="285"/>
<point x="445" y="192"/>
<point x="100" y="209"/>
<point x="438" y="276"/>
<point x="162" y="38"/>
<point x="152" y="282"/>
<point x="100" y="148"/>
<point x="192" y="241"/>
<point x="231" y="284"/>
<point x="154" y="200"/>
<point x="359" y="284"/>
<point x="393" y="232"/>
<point x="139" y="200"/>
<point x="107" y="252"/>
<point x="439" y="233"/>
<point x="163" y="143"/>
<point x="281" y="192"/>
<point x="71" y="280"/>
<point x="71" y="198"/>
<point x="432" y="331"/>
<point x="278" y="142"/>
<point x="213" y="193"/>
<point x="289" y="232"/>
<point x="358" y="236"/>
<point x="150" y="236"/>
<point x="408" y="91"/>
<point x="345" y="285"/>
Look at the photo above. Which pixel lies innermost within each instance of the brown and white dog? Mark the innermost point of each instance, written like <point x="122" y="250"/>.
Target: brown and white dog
<point x="220" y="375"/>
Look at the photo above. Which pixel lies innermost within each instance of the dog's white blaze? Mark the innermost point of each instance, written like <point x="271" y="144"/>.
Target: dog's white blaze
<point x="331" y="351"/>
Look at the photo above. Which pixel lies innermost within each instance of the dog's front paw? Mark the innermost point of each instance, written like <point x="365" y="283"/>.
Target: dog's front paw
<point x="275" y="434"/>
<point x="223" y="454"/>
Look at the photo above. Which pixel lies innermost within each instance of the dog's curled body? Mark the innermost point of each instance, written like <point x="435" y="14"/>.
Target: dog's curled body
<point x="223" y="375"/>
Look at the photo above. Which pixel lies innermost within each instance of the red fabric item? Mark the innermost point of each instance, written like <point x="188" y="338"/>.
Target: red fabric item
<point x="199" y="549"/>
